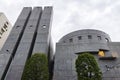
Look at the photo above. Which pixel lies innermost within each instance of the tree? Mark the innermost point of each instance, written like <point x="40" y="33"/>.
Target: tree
<point x="36" y="68"/>
<point x="87" y="67"/>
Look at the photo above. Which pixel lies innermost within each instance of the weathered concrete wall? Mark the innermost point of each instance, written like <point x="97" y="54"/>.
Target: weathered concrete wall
<point x="12" y="42"/>
<point x="30" y="34"/>
<point x="44" y="32"/>
<point x="25" y="46"/>
<point x="72" y="44"/>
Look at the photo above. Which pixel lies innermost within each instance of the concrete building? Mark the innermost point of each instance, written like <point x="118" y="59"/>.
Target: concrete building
<point x="93" y="41"/>
<point x="30" y="34"/>
<point x="5" y="28"/>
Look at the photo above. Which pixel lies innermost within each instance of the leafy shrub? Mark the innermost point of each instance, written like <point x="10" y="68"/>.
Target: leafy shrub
<point x="36" y="68"/>
<point x="87" y="67"/>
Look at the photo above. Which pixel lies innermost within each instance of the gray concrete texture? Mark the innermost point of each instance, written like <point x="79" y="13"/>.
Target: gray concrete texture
<point x="23" y="50"/>
<point x="42" y="41"/>
<point x="72" y="44"/>
<point x="12" y="42"/>
<point x="27" y="35"/>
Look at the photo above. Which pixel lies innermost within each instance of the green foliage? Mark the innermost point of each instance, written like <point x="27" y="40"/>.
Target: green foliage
<point x="87" y="67"/>
<point x="36" y="68"/>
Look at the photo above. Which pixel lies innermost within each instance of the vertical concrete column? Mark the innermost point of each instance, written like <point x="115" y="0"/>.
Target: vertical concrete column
<point x="43" y="33"/>
<point x="43" y="39"/>
<point x="11" y="44"/>
<point x="25" y="46"/>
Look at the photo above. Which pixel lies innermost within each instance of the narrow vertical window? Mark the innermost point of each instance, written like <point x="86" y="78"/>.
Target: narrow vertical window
<point x="79" y="37"/>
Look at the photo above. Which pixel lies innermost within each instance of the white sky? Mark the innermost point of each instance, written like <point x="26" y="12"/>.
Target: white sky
<point x="72" y="15"/>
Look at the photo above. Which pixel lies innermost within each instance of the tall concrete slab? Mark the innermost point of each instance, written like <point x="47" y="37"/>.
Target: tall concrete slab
<point x="25" y="47"/>
<point x="11" y="45"/>
<point x="43" y="38"/>
<point x="42" y="41"/>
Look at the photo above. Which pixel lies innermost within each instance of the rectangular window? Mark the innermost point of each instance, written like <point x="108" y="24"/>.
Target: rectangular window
<point x="71" y="40"/>
<point x="89" y="37"/>
<point x="99" y="38"/>
<point x="79" y="37"/>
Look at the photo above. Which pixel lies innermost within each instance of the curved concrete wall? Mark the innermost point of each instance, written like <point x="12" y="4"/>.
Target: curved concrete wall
<point x="87" y="40"/>
<point x="86" y="36"/>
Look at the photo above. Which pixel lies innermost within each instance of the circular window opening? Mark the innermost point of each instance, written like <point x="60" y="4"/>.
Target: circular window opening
<point x="44" y="26"/>
<point x="17" y="26"/>
<point x="30" y="26"/>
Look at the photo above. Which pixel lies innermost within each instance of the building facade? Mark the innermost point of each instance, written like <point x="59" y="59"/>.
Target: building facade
<point x="5" y="28"/>
<point x="30" y="34"/>
<point x="88" y="40"/>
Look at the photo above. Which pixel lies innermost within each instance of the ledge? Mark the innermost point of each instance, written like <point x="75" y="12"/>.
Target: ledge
<point x="107" y="58"/>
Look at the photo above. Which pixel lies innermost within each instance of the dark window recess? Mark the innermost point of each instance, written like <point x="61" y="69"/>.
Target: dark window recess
<point x="30" y="26"/>
<point x="106" y="39"/>
<point x="79" y="37"/>
<point x="17" y="26"/>
<point x="44" y="26"/>
<point x="71" y="40"/>
<point x="99" y="38"/>
<point x="7" y="50"/>
<point x="2" y="30"/>
<point x="1" y="33"/>
<point x="7" y="22"/>
<point x="5" y="26"/>
<point x="89" y="37"/>
<point x="63" y="41"/>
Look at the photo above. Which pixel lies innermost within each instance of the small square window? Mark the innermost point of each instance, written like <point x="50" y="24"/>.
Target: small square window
<point x="99" y="38"/>
<point x="30" y="26"/>
<point x="79" y="37"/>
<point x="17" y="27"/>
<point x="63" y="41"/>
<point x="89" y="37"/>
<point x="71" y="40"/>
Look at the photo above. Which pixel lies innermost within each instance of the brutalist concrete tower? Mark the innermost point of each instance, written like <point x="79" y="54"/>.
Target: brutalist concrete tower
<point x="30" y="34"/>
<point x="88" y="40"/>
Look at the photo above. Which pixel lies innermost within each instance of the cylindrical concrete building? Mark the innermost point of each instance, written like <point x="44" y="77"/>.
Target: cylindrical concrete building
<point x="88" y="40"/>
<point x="77" y="42"/>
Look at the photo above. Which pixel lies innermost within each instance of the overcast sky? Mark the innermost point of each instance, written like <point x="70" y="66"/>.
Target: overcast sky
<point x="72" y="15"/>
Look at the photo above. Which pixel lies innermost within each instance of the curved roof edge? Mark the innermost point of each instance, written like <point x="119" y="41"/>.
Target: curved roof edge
<point x="74" y="33"/>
